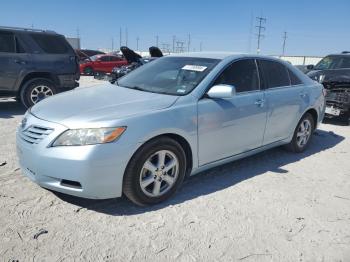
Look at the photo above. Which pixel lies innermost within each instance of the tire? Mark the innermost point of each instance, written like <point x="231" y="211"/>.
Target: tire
<point x="146" y="159"/>
<point x="296" y="145"/>
<point x="89" y="71"/>
<point x="36" y="90"/>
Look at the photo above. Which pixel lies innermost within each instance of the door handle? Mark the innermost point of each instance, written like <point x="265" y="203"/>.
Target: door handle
<point x="302" y="94"/>
<point x="21" y="62"/>
<point x="260" y="102"/>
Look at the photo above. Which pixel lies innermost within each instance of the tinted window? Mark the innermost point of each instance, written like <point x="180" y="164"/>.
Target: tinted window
<point x="7" y="42"/>
<point x="114" y="58"/>
<point x="345" y="62"/>
<point x="19" y="48"/>
<point x="329" y="62"/>
<point x="241" y="74"/>
<point x="275" y="74"/>
<point x="51" y="44"/>
<point x="294" y="80"/>
<point x="105" y="58"/>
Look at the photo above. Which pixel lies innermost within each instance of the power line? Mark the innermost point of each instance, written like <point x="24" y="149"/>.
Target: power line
<point x="189" y="43"/>
<point x="284" y="43"/>
<point x="120" y="37"/>
<point x="126" y="36"/>
<point x="261" y="28"/>
<point x="174" y="39"/>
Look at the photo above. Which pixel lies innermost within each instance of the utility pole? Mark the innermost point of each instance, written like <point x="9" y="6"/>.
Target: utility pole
<point x="157" y="40"/>
<point x="284" y="43"/>
<point x="137" y="43"/>
<point x="112" y="44"/>
<point x="120" y="38"/>
<point x="200" y="46"/>
<point x="78" y="37"/>
<point x="189" y="43"/>
<point x="174" y="39"/>
<point x="126" y="36"/>
<point x="261" y="28"/>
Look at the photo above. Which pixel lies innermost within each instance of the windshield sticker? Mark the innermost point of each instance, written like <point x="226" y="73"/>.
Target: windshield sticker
<point x="181" y="90"/>
<point x="196" y="68"/>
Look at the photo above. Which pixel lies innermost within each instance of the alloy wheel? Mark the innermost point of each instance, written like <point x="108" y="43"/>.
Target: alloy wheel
<point x="304" y="132"/>
<point x="159" y="173"/>
<point x="39" y="93"/>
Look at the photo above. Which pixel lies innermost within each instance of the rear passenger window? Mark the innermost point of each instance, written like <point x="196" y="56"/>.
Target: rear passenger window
<point x="7" y="42"/>
<point x="345" y="62"/>
<point x="51" y="44"/>
<point x="242" y="74"/>
<point x="275" y="74"/>
<point x="105" y="58"/>
<point x="294" y="80"/>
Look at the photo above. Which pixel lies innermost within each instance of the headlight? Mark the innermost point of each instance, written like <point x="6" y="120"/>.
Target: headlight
<point x="89" y="136"/>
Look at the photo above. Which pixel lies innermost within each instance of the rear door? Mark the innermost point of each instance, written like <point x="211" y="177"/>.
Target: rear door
<point x="52" y="53"/>
<point x="285" y="97"/>
<point x="13" y="60"/>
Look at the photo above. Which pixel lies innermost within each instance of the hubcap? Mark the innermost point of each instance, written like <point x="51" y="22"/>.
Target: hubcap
<point x="39" y="93"/>
<point x="159" y="173"/>
<point x="304" y="132"/>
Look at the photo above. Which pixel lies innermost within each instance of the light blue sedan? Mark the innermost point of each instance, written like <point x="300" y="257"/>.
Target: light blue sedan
<point x="168" y="119"/>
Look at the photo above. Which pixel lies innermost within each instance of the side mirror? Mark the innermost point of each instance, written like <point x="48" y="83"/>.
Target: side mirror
<point x="222" y="91"/>
<point x="310" y="67"/>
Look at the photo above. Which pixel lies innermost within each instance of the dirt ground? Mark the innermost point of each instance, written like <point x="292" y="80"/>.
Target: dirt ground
<point x="274" y="206"/>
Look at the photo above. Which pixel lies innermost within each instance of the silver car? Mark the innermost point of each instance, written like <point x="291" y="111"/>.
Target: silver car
<point x="168" y="119"/>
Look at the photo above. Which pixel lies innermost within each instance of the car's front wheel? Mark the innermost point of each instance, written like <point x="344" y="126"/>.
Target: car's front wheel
<point x="155" y="172"/>
<point x="36" y="90"/>
<point x="302" y="134"/>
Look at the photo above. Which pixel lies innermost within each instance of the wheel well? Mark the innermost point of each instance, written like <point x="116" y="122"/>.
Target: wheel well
<point x="37" y="75"/>
<point x="185" y="146"/>
<point x="314" y="115"/>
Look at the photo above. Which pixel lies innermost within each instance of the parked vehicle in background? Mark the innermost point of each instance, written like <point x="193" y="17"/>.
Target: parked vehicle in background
<point x="134" y="60"/>
<point x="35" y="64"/>
<point x="333" y="72"/>
<point x="86" y="53"/>
<point x="101" y="64"/>
<point x="179" y="115"/>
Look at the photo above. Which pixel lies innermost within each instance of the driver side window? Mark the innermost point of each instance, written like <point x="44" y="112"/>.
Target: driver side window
<point x="242" y="74"/>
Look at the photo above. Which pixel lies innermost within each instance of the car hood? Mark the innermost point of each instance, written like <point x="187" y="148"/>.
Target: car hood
<point x="86" y="106"/>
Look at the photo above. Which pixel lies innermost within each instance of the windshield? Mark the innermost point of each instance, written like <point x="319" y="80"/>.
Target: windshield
<point x="94" y="57"/>
<point x="329" y="62"/>
<point x="169" y="75"/>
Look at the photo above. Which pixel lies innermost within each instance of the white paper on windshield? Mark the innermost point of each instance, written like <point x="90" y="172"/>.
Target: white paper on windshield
<point x="196" y="68"/>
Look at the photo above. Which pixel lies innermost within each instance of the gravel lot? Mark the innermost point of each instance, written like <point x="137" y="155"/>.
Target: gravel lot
<point x="274" y="206"/>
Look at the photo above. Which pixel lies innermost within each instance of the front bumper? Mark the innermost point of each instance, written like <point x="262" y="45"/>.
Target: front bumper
<point x="94" y="171"/>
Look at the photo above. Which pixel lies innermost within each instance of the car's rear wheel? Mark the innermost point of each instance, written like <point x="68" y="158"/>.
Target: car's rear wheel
<point x="302" y="134"/>
<point x="88" y="71"/>
<point x="36" y="90"/>
<point x="155" y="172"/>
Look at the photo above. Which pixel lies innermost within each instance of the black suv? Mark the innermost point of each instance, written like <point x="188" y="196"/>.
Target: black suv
<point x="333" y="71"/>
<point x="35" y="64"/>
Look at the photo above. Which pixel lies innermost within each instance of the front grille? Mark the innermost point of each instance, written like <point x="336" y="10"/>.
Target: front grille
<point x="34" y="134"/>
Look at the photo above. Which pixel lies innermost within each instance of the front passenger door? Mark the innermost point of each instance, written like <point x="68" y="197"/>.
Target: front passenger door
<point x="227" y="127"/>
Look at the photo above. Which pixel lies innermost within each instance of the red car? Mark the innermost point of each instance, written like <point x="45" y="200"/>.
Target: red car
<point x="101" y="63"/>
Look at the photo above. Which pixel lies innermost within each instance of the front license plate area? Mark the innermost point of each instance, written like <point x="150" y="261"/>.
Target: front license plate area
<point x="332" y="111"/>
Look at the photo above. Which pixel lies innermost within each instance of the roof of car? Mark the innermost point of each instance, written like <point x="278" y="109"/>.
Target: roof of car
<point x="218" y="55"/>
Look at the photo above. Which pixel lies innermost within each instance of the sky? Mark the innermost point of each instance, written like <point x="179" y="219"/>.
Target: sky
<point x="314" y="28"/>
